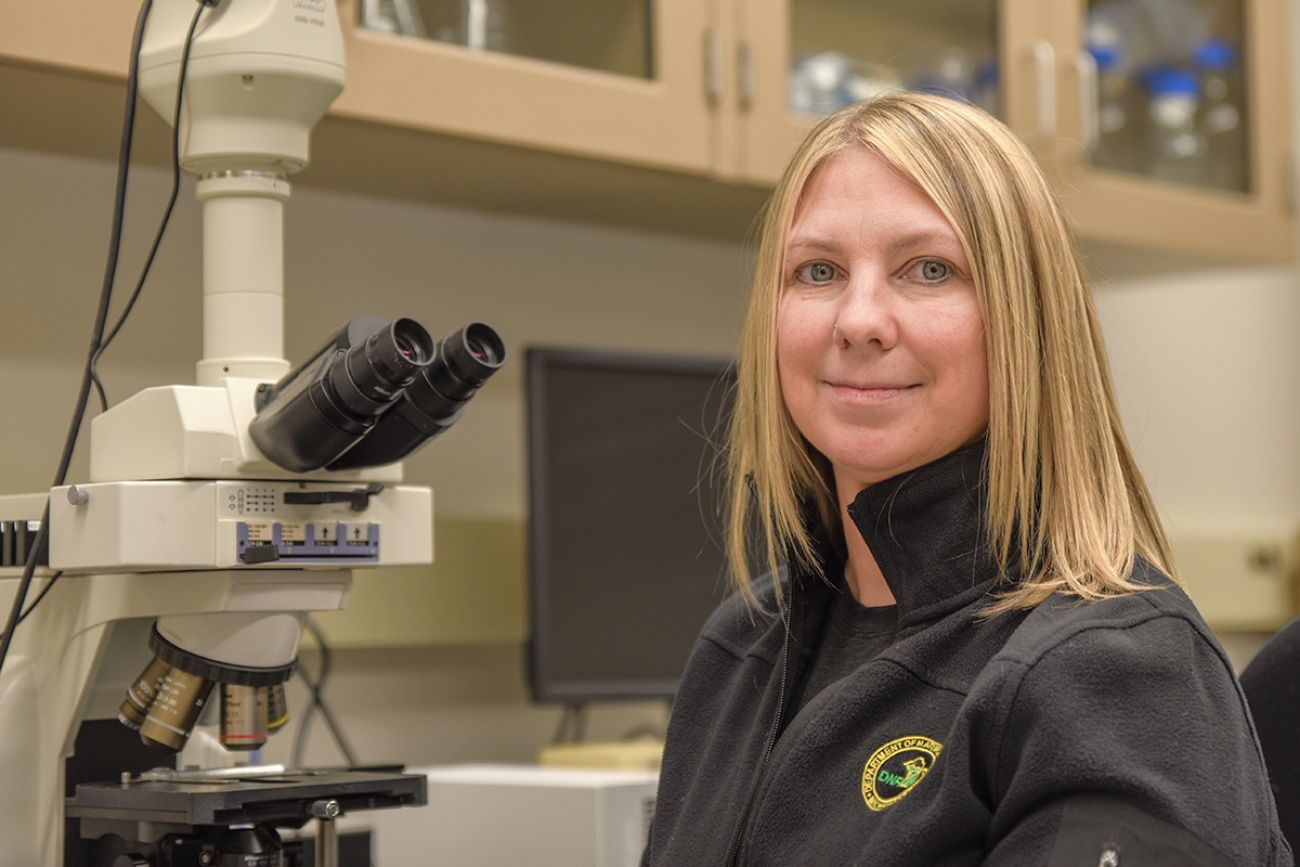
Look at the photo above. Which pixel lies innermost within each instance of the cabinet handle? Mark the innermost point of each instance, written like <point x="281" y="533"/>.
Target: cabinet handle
<point x="1044" y="59"/>
<point x="1288" y="184"/>
<point x="1089" y="100"/>
<point x="745" y="75"/>
<point x="712" y="68"/>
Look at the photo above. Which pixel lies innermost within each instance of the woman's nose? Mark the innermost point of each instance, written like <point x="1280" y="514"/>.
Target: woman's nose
<point x="867" y="314"/>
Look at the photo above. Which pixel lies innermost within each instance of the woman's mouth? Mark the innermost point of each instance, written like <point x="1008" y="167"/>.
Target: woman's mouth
<point x="870" y="393"/>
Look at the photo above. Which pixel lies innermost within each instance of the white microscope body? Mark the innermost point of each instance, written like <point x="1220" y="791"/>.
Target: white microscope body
<point x="187" y="535"/>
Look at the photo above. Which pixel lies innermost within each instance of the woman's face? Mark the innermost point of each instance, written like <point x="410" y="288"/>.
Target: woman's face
<point x="880" y="340"/>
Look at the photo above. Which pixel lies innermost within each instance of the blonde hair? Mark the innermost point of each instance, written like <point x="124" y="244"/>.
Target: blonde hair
<point x="1065" y="497"/>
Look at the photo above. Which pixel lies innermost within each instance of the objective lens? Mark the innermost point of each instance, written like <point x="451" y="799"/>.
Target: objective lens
<point x="140" y="694"/>
<point x="243" y="717"/>
<point x="277" y="708"/>
<point x="175" y="709"/>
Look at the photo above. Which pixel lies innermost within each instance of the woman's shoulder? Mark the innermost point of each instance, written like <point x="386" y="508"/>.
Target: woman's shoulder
<point x="1145" y="626"/>
<point x="1129" y="697"/>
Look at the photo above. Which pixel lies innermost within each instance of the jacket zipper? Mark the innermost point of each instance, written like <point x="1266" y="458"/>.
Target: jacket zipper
<point x="734" y="851"/>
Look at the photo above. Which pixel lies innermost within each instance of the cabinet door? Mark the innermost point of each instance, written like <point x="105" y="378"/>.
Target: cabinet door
<point x="78" y="38"/>
<point x="802" y="59"/>
<point x="616" y="79"/>
<point x="1175" y="124"/>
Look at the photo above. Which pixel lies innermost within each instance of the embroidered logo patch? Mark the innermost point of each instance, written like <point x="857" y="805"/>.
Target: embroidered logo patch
<point x="896" y="768"/>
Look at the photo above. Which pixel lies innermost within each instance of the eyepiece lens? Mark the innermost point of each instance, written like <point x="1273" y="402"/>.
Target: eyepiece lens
<point x="484" y="345"/>
<point x="412" y="341"/>
<point x="452" y="372"/>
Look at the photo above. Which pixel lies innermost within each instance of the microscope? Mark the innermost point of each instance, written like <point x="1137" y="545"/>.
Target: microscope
<point x="219" y="515"/>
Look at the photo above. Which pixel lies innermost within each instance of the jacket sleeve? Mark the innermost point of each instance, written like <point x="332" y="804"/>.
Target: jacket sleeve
<point x="1130" y="738"/>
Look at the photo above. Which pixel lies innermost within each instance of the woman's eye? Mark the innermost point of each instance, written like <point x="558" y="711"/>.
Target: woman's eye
<point x="934" y="270"/>
<point x="816" y="272"/>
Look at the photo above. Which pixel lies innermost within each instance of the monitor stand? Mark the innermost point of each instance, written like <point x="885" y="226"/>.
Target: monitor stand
<point x="638" y="755"/>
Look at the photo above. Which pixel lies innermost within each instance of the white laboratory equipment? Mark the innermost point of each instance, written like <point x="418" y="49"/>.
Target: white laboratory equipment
<point x="490" y="815"/>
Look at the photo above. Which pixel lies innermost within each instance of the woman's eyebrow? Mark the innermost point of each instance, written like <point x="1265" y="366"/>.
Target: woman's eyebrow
<point x="922" y="238"/>
<point x="902" y="243"/>
<point x="812" y="244"/>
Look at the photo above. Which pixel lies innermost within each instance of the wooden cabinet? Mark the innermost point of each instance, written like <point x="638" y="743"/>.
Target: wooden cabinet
<point x="801" y="59"/>
<point x="1235" y="202"/>
<point x="1194" y="187"/>
<point x="660" y="118"/>
<point x="677" y="114"/>
<point x="735" y="85"/>
<point x="625" y="82"/>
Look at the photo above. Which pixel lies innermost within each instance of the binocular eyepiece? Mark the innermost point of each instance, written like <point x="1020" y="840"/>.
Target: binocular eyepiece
<point x="373" y="394"/>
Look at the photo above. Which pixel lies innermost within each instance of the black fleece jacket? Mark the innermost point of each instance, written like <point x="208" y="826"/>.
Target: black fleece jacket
<point x="1110" y="733"/>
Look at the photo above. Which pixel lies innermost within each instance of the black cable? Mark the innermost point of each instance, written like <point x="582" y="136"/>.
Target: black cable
<point x="187" y="45"/>
<point x="573" y="724"/>
<point x="96" y="335"/>
<point x="562" y="730"/>
<point x="580" y="724"/>
<point x="318" y="703"/>
<point x="99" y="390"/>
<point x="39" y="596"/>
<point x="304" y="721"/>
<point x="309" y="712"/>
<point x="90" y="375"/>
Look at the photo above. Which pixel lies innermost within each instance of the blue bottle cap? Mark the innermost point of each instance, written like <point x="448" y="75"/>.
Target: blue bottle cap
<point x="987" y="74"/>
<point x="1169" y="81"/>
<point x="1215" y="54"/>
<point x="1106" y="56"/>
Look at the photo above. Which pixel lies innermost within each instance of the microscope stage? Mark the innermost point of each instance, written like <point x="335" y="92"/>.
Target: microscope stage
<point x="284" y="799"/>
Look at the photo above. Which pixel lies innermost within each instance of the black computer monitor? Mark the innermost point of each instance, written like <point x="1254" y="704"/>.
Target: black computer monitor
<point x="625" y="543"/>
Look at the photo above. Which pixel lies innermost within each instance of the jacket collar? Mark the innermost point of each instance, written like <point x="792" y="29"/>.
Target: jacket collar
<point x="928" y="531"/>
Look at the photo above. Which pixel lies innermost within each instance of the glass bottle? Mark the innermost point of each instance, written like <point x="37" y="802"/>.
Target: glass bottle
<point x="1219" y="117"/>
<point x="484" y="24"/>
<point x="1177" y="146"/>
<point x="1117" y="147"/>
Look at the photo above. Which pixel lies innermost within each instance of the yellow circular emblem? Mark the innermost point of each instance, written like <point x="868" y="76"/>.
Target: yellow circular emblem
<point x="895" y="768"/>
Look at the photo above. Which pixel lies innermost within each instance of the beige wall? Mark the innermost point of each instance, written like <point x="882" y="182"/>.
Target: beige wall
<point x="1206" y="364"/>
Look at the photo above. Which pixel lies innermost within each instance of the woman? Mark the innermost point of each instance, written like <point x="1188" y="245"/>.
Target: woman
<point x="974" y="653"/>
